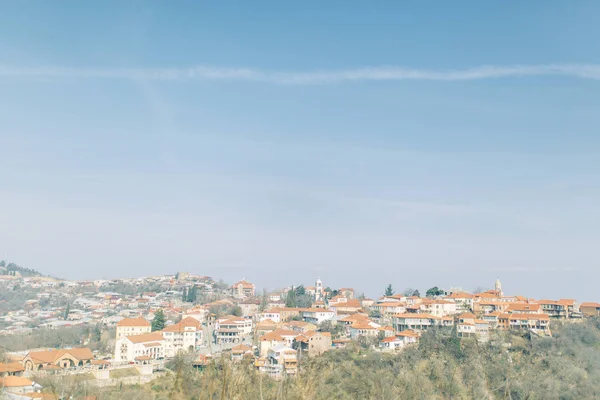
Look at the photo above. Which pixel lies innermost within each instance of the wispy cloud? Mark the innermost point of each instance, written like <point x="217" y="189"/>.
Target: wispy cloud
<point x="384" y="73"/>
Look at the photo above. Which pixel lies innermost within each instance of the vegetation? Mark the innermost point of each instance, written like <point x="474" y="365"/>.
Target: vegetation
<point x="158" y="323"/>
<point x="389" y="290"/>
<point x="94" y="337"/>
<point x="434" y="291"/>
<point x="11" y="268"/>
<point x="441" y="367"/>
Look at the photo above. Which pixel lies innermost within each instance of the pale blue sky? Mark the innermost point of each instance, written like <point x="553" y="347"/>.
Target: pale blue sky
<point x="419" y="143"/>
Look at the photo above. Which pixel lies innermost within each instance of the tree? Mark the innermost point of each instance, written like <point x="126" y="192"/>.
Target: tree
<point x="158" y="323"/>
<point x="237" y="311"/>
<point x="416" y="293"/>
<point x="67" y="310"/>
<point x="264" y="301"/>
<point x="290" y="300"/>
<point x="300" y="291"/>
<point x="184" y="296"/>
<point x="434" y="291"/>
<point x="96" y="333"/>
<point x="192" y="294"/>
<point x="389" y="291"/>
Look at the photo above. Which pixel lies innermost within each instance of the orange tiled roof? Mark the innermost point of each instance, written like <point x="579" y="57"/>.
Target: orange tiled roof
<point x="133" y="322"/>
<point x="15" y="381"/>
<point x="146" y="337"/>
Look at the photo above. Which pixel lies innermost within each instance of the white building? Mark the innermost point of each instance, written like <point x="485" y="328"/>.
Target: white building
<point x="231" y="329"/>
<point x="185" y="335"/>
<point x="132" y="326"/>
<point x="140" y="347"/>
<point x="317" y="315"/>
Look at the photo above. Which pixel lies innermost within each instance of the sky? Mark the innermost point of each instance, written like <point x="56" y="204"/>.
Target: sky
<point x="416" y="143"/>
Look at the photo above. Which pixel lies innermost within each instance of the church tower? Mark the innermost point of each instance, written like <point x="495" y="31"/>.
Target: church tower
<point x="498" y="287"/>
<point x="318" y="290"/>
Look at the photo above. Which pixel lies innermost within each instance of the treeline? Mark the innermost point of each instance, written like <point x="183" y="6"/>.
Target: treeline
<point x="516" y="367"/>
<point x="12" y="268"/>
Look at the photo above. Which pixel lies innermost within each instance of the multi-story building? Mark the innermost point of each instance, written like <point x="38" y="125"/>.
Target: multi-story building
<point x="317" y="315"/>
<point x="185" y="335"/>
<point x="539" y="323"/>
<point x="463" y="301"/>
<point x="415" y="322"/>
<point x="242" y="289"/>
<point x="590" y="309"/>
<point x="132" y="326"/>
<point x="140" y="347"/>
<point x="231" y="329"/>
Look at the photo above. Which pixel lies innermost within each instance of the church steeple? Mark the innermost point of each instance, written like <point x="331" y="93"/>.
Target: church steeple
<point x="498" y="287"/>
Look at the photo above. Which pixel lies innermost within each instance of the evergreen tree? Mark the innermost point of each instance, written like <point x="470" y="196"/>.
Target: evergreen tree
<point x="158" y="323"/>
<point x="67" y="310"/>
<point x="192" y="294"/>
<point x="290" y="300"/>
<point x="300" y="291"/>
<point x="389" y="291"/>
<point x="184" y="296"/>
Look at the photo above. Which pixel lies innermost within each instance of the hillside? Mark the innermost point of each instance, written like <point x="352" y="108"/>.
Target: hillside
<point x="510" y="366"/>
<point x="12" y="268"/>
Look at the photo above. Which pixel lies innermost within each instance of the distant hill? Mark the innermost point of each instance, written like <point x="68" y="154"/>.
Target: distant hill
<point x="12" y="269"/>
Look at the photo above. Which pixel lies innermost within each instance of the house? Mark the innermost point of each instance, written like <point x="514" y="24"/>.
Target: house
<point x="399" y="341"/>
<point x="67" y="358"/>
<point x="561" y="309"/>
<point x="232" y="329"/>
<point x="350" y="306"/>
<point x="275" y="338"/>
<point x="132" y="326"/>
<point x="199" y="314"/>
<point x="17" y="385"/>
<point x="239" y="352"/>
<point x="242" y="289"/>
<point x="280" y="360"/>
<point x="300" y="326"/>
<point x="185" y="335"/>
<point x="439" y="307"/>
<point x="249" y="307"/>
<point x="279" y="314"/>
<point x="463" y="301"/>
<point x="523" y="308"/>
<point x="131" y="348"/>
<point x="488" y="306"/>
<point x="264" y="327"/>
<point x="590" y="309"/>
<point x="416" y="322"/>
<point x="313" y="343"/>
<point x="538" y="323"/>
<point x="11" y="369"/>
<point x="364" y="329"/>
<point x="317" y="315"/>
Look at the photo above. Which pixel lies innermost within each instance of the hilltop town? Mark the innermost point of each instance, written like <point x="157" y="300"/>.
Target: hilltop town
<point x="125" y="331"/>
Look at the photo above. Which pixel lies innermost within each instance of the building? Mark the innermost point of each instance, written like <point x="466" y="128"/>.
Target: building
<point x="140" y="347"/>
<point x="350" y="306"/>
<point x="523" y="308"/>
<point x="276" y="338"/>
<point x="11" y="369"/>
<point x="538" y="323"/>
<point x="232" y="329"/>
<point x="68" y="358"/>
<point x="319" y="290"/>
<point x="439" y="308"/>
<point x="313" y="343"/>
<point x="363" y="329"/>
<point x="415" y="322"/>
<point x="199" y="314"/>
<point x="132" y="326"/>
<point x="241" y="351"/>
<point x="317" y="315"/>
<point x="185" y="335"/>
<point x="463" y="300"/>
<point x="249" y="307"/>
<point x="561" y="309"/>
<point x="281" y="360"/>
<point x="399" y="341"/>
<point x="242" y="289"/>
<point x="590" y="309"/>
<point x="13" y="386"/>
